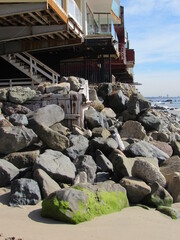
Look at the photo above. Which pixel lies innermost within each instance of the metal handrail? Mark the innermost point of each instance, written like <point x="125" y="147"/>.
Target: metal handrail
<point x="74" y="12"/>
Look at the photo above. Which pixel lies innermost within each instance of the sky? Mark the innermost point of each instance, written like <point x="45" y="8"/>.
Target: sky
<point x="154" y="32"/>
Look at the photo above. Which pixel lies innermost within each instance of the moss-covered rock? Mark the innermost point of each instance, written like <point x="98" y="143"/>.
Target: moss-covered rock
<point x="83" y="202"/>
<point x="169" y="211"/>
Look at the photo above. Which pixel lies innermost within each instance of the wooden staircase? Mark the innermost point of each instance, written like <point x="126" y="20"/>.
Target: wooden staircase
<point x="32" y="67"/>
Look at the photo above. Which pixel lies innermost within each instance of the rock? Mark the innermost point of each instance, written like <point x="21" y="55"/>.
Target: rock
<point x="79" y="145"/>
<point x="24" y="192"/>
<point x="18" y="119"/>
<point x="56" y="165"/>
<point x="148" y="172"/>
<point x="137" y="104"/>
<point x="128" y="116"/>
<point x="23" y="159"/>
<point x="160" y="136"/>
<point x="5" y="123"/>
<point x="133" y="129"/>
<point x="103" y="162"/>
<point x="93" y="95"/>
<point x="46" y="183"/>
<point x="165" y="147"/>
<point x="104" y="145"/>
<point x="115" y="135"/>
<point x="102" y="177"/>
<point x="84" y="202"/>
<point x="97" y="105"/>
<point x="81" y="177"/>
<point x="104" y="90"/>
<point x="21" y="94"/>
<point x="146" y="149"/>
<point x="117" y="101"/>
<point x="101" y="132"/>
<point x="136" y="189"/>
<point x="4" y="94"/>
<point x="74" y="83"/>
<point x="7" y="172"/>
<point x="176" y="147"/>
<point x="13" y="139"/>
<point x="169" y="211"/>
<point x="86" y="164"/>
<point x="76" y="130"/>
<point x="95" y="119"/>
<point x="171" y="171"/>
<point x="108" y="112"/>
<point x="42" y="86"/>
<point x="151" y="122"/>
<point x="158" y="196"/>
<point x="58" y="127"/>
<point x="63" y="88"/>
<point x="48" y="115"/>
<point x="11" y="108"/>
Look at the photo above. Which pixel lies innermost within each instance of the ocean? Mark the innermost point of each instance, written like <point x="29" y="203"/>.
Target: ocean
<point x="171" y="104"/>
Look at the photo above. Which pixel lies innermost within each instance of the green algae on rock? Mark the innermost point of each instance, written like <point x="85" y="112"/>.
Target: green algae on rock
<point x="83" y="202"/>
<point x="169" y="211"/>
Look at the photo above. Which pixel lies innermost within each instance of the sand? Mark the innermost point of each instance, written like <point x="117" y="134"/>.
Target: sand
<point x="131" y="223"/>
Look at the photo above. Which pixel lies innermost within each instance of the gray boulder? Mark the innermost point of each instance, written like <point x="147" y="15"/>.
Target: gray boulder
<point x="103" y="162"/>
<point x="148" y="172"/>
<point x="7" y="172"/>
<point x="159" y="196"/>
<point x="48" y="115"/>
<point x="13" y="139"/>
<point x="58" y="127"/>
<point x="24" y="192"/>
<point x="137" y="104"/>
<point x="146" y="149"/>
<point x="104" y="90"/>
<point x="104" y="145"/>
<point x="108" y="112"/>
<point x="46" y="183"/>
<point x="117" y="101"/>
<point x="176" y="147"/>
<point x="63" y="88"/>
<point x="172" y="212"/>
<point x="102" y="177"/>
<point x="133" y="129"/>
<point x="151" y="122"/>
<point x="56" y="165"/>
<point x="163" y="146"/>
<point x="81" y="177"/>
<point x="95" y="119"/>
<point x="23" y="159"/>
<point x="12" y="108"/>
<point x="86" y="164"/>
<point x="101" y="132"/>
<point x="136" y="189"/>
<point x="85" y="201"/>
<point x="4" y="94"/>
<point x="79" y="145"/>
<point x="21" y="94"/>
<point x="18" y="119"/>
<point x="74" y="83"/>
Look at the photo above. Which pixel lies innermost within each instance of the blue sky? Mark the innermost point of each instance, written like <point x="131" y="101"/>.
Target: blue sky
<point x="154" y="33"/>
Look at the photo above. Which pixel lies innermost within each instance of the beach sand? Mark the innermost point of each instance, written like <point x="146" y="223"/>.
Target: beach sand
<point x="131" y="223"/>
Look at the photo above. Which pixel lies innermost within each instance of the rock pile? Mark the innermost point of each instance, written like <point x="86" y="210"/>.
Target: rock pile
<point x="126" y="151"/>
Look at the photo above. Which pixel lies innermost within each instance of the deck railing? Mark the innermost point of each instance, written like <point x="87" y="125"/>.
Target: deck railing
<point x="74" y="12"/>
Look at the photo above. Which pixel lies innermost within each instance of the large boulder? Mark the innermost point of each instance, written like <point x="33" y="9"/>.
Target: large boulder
<point x="136" y="189"/>
<point x="105" y="145"/>
<point x="86" y="164"/>
<point x="117" y="101"/>
<point x="163" y="146"/>
<point x="137" y="104"/>
<point x="108" y="112"/>
<point x="79" y="145"/>
<point x="56" y="165"/>
<point x="103" y="162"/>
<point x="171" y="171"/>
<point x="24" y="192"/>
<point x="151" y="122"/>
<point x="146" y="149"/>
<point x="101" y="132"/>
<point x="74" y="83"/>
<point x="84" y="202"/>
<point x="46" y="183"/>
<point x="95" y="119"/>
<point x="148" y="172"/>
<point x="159" y="196"/>
<point x="7" y="172"/>
<point x="13" y="139"/>
<point x="62" y="88"/>
<point x="133" y="129"/>
<point x="48" y="115"/>
<point x="104" y="90"/>
<point x="12" y="108"/>
<point x="172" y="212"/>
<point x="23" y="159"/>
<point x="4" y="94"/>
<point x="21" y="94"/>
<point x="176" y="147"/>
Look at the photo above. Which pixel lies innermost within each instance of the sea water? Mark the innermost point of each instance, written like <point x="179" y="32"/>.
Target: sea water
<point x="171" y="104"/>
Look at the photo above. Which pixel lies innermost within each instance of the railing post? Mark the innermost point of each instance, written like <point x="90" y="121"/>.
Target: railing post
<point x="31" y="68"/>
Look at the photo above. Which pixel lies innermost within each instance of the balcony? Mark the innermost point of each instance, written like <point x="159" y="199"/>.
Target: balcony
<point x="130" y="57"/>
<point x="74" y="12"/>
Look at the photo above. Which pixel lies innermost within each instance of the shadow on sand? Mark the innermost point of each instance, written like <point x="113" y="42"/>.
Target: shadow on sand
<point x="36" y="216"/>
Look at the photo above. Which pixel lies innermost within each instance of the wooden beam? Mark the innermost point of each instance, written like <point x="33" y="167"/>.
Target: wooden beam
<point x="62" y="14"/>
